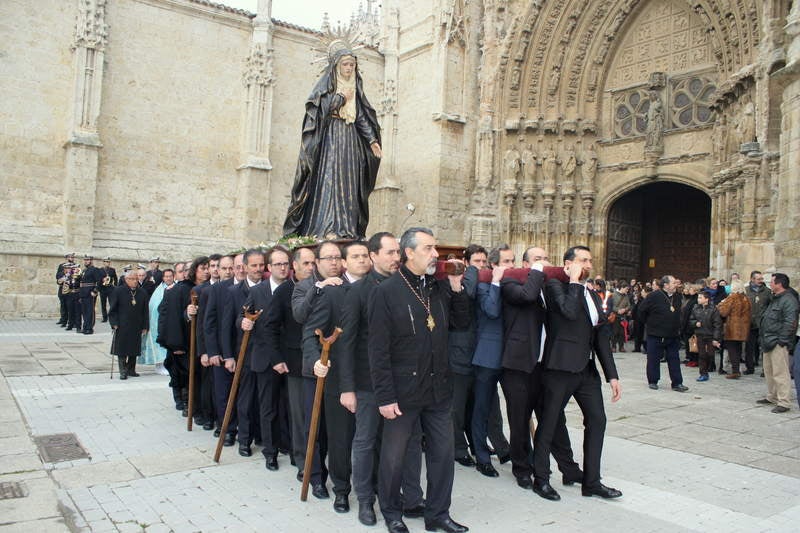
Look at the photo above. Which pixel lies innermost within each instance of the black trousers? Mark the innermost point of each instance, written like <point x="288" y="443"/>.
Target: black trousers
<point x="281" y="429"/>
<point x="752" y="350"/>
<point x="523" y="392"/>
<point x="62" y="307"/>
<point x="462" y="413"/>
<point x="437" y="426"/>
<point x="222" y="387"/>
<point x="248" y="407"/>
<point x="340" y="428"/>
<point x="319" y="472"/>
<point x="73" y="311"/>
<point x="87" y="311"/>
<point x="204" y="388"/>
<point x="178" y="368"/>
<point x="104" y="294"/>
<point x="557" y="388"/>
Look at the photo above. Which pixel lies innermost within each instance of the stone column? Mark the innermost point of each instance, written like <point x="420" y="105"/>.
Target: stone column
<point x="254" y="176"/>
<point x="384" y="200"/>
<point x="787" y="224"/>
<point x="83" y="140"/>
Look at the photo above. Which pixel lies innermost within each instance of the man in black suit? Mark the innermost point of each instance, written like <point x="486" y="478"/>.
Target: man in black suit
<point x="339" y="421"/>
<point x="284" y="337"/>
<point x="232" y="334"/>
<point x="357" y="395"/>
<point x="575" y="336"/>
<point x="410" y="316"/>
<point x="155" y="272"/>
<point x="91" y="280"/>
<point x="258" y="377"/>
<point x="214" y="300"/>
<point x="523" y="320"/>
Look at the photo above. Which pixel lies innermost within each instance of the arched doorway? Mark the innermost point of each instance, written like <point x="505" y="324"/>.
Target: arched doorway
<point x="657" y="229"/>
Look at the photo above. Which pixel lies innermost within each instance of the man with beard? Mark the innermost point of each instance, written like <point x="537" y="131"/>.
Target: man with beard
<point x="214" y="301"/>
<point x="339" y="421"/>
<point x="409" y="322"/>
<point x="355" y="384"/>
<point x="129" y="315"/>
<point x="284" y="336"/>
<point x="258" y="377"/>
<point x="174" y="315"/>
<point x="574" y="339"/>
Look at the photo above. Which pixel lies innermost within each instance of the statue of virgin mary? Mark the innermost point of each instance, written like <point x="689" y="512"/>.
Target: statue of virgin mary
<point x="339" y="156"/>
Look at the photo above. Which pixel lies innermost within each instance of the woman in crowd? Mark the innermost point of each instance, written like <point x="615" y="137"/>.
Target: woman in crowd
<point x="735" y="309"/>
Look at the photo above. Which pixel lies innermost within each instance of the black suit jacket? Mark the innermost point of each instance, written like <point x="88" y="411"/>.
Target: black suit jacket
<point x="571" y="337"/>
<point x="283" y="333"/>
<point x="325" y="315"/>
<point x="213" y="300"/>
<point x="353" y="354"/>
<point x="408" y="362"/>
<point x="260" y="298"/>
<point x="523" y="316"/>
<point x="230" y="334"/>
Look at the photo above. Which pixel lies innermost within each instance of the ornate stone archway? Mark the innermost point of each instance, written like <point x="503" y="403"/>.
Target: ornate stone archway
<point x="586" y="102"/>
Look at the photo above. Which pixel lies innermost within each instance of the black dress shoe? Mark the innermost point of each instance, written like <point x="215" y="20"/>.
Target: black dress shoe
<point x="415" y="512"/>
<point x="366" y="514"/>
<point x="104" y="320"/>
<point x="571" y="479"/>
<point x="123" y="375"/>
<point x="299" y="476"/>
<point x="88" y="332"/>
<point x="341" y="504"/>
<point x="504" y="458"/>
<point x="245" y="451"/>
<point x="465" y="461"/>
<point x="486" y="469"/>
<point x="546" y="491"/>
<point x="448" y="525"/>
<point x="133" y="374"/>
<point x="396" y="526"/>
<point x="216" y="433"/>
<point x="229" y="440"/>
<point x="272" y="462"/>
<point x="69" y="328"/>
<point x="320" y="491"/>
<point x="525" y="482"/>
<point x="602" y="491"/>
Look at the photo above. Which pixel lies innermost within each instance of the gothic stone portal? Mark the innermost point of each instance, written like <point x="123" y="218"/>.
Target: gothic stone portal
<point x="657" y="229"/>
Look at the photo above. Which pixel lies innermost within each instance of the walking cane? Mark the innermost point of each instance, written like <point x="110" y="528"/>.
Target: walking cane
<point x="113" y="342"/>
<point x="235" y="384"/>
<point x="312" y="430"/>
<point x="192" y="350"/>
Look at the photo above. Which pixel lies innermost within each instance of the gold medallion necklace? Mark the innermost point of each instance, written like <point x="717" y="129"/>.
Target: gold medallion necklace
<point x="133" y="297"/>
<point x="669" y="301"/>
<point x="426" y="304"/>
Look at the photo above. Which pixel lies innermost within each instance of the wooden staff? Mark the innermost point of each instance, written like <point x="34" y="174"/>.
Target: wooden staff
<point x="312" y="430"/>
<point x="192" y="350"/>
<point x="235" y="384"/>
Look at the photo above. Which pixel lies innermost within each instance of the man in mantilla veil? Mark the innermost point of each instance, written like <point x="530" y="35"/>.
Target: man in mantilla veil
<point x="339" y="156"/>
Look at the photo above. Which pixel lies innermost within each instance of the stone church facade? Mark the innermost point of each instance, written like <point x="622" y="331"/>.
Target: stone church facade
<point x="663" y="133"/>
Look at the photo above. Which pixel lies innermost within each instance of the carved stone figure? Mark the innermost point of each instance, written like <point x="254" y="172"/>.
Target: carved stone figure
<point x="655" y="123"/>
<point x="339" y="156"/>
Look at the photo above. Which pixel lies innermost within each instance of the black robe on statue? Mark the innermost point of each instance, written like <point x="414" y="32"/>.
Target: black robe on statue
<point x="336" y="169"/>
<point x="129" y="319"/>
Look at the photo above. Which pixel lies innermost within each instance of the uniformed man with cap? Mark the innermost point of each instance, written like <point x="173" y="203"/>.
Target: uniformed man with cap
<point x="71" y="288"/>
<point x="107" y="286"/>
<point x="91" y="280"/>
<point x="155" y="273"/>
<point x="61" y="277"/>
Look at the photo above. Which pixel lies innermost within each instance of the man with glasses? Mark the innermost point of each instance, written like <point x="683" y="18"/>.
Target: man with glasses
<point x="339" y="421"/>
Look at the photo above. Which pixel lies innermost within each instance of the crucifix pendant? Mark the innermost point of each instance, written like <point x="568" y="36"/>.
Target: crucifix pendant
<point x="430" y="322"/>
<point x="672" y="308"/>
<point x="133" y="301"/>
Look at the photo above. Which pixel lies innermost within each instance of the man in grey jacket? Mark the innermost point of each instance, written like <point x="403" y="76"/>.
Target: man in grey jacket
<point x="778" y="326"/>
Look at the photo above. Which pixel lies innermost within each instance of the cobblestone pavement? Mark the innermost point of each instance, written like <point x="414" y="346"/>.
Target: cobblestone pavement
<point x="706" y="460"/>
